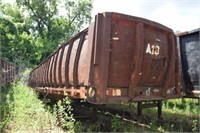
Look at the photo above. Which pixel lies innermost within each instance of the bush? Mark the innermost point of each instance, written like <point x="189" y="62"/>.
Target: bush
<point x="5" y="105"/>
<point x="64" y="113"/>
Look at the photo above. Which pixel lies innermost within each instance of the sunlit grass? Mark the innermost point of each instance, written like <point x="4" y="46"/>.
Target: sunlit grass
<point x="22" y="111"/>
<point x="26" y="112"/>
<point x="178" y="115"/>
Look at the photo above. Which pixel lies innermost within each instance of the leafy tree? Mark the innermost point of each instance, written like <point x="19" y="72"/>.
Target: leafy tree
<point x="54" y="21"/>
<point x="32" y="29"/>
<point x="16" y="41"/>
<point x="8" y="32"/>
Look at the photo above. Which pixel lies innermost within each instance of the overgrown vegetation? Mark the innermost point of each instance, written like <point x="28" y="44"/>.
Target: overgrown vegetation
<point x="63" y="110"/>
<point x="32" y="29"/>
<point x="179" y="115"/>
<point x="22" y="111"/>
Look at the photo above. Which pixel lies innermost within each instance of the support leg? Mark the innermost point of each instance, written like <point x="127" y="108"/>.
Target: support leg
<point x="139" y="109"/>
<point x="94" y="113"/>
<point x="159" y="109"/>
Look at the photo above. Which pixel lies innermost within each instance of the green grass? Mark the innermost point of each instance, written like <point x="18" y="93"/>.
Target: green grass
<point x="22" y="111"/>
<point x="178" y="116"/>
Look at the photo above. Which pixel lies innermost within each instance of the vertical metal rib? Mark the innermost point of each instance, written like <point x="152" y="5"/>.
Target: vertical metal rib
<point x="75" y="71"/>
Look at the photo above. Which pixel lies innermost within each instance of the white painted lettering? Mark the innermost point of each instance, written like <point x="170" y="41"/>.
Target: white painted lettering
<point x="157" y="50"/>
<point x="153" y="49"/>
<point x="148" y="50"/>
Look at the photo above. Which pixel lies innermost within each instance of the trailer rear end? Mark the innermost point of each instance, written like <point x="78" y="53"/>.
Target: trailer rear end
<point x="189" y="45"/>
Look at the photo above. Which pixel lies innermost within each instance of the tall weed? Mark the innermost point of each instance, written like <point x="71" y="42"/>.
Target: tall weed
<point x="64" y="114"/>
<point x="22" y="111"/>
<point x="26" y="111"/>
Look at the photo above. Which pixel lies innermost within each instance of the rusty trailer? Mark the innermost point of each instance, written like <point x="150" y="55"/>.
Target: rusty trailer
<point x="117" y="59"/>
<point x="189" y="47"/>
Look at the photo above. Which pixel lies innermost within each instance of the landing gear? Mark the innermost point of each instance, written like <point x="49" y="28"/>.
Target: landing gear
<point x="157" y="104"/>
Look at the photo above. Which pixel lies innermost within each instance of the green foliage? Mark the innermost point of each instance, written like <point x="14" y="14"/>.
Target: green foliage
<point x="78" y="127"/>
<point x="31" y="30"/>
<point x="195" y="125"/>
<point x="182" y="105"/>
<point x="55" y="21"/>
<point x="115" y="124"/>
<point x="94" y="127"/>
<point x="64" y="113"/>
<point x="177" y="117"/>
<point x="25" y="111"/>
<point x="22" y="111"/>
<point x="6" y="104"/>
<point x="75" y="11"/>
<point x="16" y="41"/>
